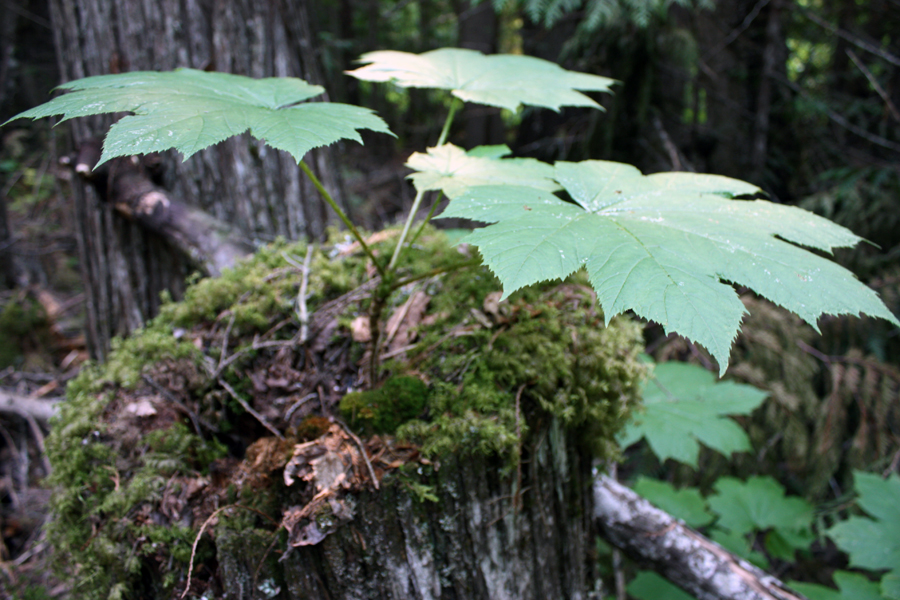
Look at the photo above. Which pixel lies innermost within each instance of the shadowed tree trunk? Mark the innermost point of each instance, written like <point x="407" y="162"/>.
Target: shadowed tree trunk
<point x="240" y="181"/>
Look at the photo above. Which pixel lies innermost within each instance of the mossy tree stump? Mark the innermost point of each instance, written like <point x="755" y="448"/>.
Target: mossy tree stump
<point x="219" y="431"/>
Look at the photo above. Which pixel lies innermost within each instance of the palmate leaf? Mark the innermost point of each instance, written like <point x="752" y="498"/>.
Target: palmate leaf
<point x="874" y="543"/>
<point x="667" y="246"/>
<point x="503" y="80"/>
<point x="853" y="586"/>
<point x="189" y="110"/>
<point x="453" y="170"/>
<point x="683" y="406"/>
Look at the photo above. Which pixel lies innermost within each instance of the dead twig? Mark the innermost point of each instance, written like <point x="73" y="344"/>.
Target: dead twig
<point x="225" y="343"/>
<point x="262" y="420"/>
<point x="877" y="86"/>
<point x="362" y="449"/>
<point x="209" y="520"/>
<point x="39" y="440"/>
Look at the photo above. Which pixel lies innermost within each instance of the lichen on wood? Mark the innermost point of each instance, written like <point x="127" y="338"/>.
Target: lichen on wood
<point x="484" y="476"/>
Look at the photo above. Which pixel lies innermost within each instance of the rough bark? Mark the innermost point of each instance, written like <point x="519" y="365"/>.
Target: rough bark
<point x="657" y="540"/>
<point x="240" y="181"/>
<point x="482" y="539"/>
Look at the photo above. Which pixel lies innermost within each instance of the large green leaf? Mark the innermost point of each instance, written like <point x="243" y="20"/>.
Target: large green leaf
<point x="684" y="405"/>
<point x="760" y="504"/>
<point x="648" y="585"/>
<point x="667" y="246"/>
<point x="453" y="170"/>
<point x="503" y="80"/>
<point x="189" y="110"/>
<point x="874" y="543"/>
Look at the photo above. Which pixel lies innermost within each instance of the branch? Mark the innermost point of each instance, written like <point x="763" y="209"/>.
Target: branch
<point x="125" y="183"/>
<point x="27" y="407"/>
<point x="657" y="540"/>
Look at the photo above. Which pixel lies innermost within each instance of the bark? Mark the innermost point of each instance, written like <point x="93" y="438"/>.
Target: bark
<point x="239" y="181"/>
<point x="658" y="541"/>
<point x="484" y="538"/>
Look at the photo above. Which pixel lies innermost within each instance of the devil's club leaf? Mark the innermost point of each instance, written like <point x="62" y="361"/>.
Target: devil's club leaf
<point x="453" y="170"/>
<point x="757" y="505"/>
<point x="502" y="80"/>
<point x="684" y="405"/>
<point x="189" y="110"/>
<point x="666" y="246"/>
<point x="686" y="504"/>
<point x="874" y="544"/>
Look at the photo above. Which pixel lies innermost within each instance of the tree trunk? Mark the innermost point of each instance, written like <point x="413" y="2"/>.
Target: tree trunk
<point x="481" y="538"/>
<point x="239" y="181"/>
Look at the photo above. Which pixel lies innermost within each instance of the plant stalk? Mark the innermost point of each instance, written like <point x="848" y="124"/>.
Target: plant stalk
<point x="343" y="217"/>
<point x="454" y="106"/>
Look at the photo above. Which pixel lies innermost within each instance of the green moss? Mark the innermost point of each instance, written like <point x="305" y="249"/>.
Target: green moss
<point x="384" y="409"/>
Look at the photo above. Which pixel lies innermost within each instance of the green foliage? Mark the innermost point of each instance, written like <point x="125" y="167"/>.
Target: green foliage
<point x="760" y="505"/>
<point x="852" y="586"/>
<point x="504" y="80"/>
<point x="874" y="543"/>
<point x="664" y="245"/>
<point x="648" y="585"/>
<point x="684" y="405"/>
<point x="686" y="504"/>
<point x="190" y="110"/>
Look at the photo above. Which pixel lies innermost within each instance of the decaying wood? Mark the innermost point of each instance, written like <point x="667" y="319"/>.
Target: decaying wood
<point x="126" y="185"/>
<point x="657" y="540"/>
<point x="26" y="407"/>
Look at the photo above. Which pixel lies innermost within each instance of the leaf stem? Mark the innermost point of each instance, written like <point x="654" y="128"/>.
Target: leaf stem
<point x="434" y="206"/>
<point x="340" y="213"/>
<point x="454" y="106"/>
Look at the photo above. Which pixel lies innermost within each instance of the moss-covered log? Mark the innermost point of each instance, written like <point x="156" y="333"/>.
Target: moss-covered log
<point x="219" y="432"/>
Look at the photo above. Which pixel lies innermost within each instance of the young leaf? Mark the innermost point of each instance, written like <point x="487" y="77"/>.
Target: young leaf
<point x="684" y="405"/>
<point x="453" y="170"/>
<point x="667" y="246"/>
<point x="502" y="80"/>
<point x="189" y="110"/>
<point x="686" y="504"/>
<point x="874" y="543"/>
<point x="759" y="504"/>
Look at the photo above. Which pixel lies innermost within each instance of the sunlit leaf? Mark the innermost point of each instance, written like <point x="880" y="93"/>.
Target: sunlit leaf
<point x="668" y="247"/>
<point x="503" y="80"/>
<point x="453" y="170"/>
<point x="190" y="110"/>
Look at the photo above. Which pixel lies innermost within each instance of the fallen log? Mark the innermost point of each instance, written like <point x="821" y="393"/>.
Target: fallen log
<point x="657" y="540"/>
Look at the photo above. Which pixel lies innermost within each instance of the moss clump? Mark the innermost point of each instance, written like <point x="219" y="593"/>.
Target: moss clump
<point x="383" y="410"/>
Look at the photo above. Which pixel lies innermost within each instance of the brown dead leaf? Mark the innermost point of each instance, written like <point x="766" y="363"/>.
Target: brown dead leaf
<point x="491" y="304"/>
<point x="402" y="323"/>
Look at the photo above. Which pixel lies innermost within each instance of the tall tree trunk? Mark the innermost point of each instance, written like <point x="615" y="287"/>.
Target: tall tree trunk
<point x="240" y="181"/>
